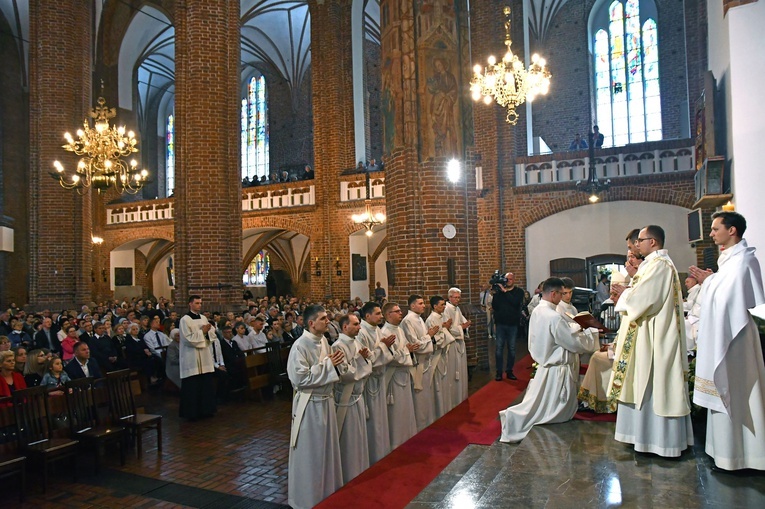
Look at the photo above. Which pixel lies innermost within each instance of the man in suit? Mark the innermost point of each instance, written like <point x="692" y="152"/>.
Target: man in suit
<point x="86" y="331"/>
<point x="233" y="358"/>
<point x="104" y="351"/>
<point x="46" y="336"/>
<point x="82" y="366"/>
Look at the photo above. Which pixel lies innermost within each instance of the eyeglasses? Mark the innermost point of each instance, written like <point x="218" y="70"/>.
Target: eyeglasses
<point x="647" y="238"/>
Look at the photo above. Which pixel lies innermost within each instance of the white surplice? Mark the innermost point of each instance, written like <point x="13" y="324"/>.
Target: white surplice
<point x="401" y="422"/>
<point x="424" y="402"/>
<point x="315" y="468"/>
<point x="354" y="447"/>
<point x="653" y="353"/>
<point x="442" y="392"/>
<point x="457" y="356"/>
<point x="378" y="433"/>
<point x="730" y="376"/>
<point x="554" y="344"/>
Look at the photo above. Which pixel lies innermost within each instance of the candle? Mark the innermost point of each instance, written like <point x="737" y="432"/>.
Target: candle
<point x="729" y="207"/>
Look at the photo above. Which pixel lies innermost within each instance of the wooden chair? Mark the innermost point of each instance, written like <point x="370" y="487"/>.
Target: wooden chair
<point x="84" y="422"/>
<point x="34" y="431"/>
<point x="12" y="465"/>
<point x="122" y="406"/>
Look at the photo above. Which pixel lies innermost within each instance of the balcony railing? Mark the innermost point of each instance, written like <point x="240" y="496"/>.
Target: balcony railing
<point x="631" y="160"/>
<point x="253" y="199"/>
<point x="356" y="187"/>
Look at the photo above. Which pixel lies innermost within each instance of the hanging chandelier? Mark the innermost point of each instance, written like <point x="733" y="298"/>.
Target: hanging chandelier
<point x="368" y="218"/>
<point x="508" y="82"/>
<point x="102" y="148"/>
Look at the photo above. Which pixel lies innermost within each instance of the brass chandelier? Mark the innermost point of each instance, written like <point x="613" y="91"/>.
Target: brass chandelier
<point x="508" y="82"/>
<point x="368" y="218"/>
<point x="102" y="148"/>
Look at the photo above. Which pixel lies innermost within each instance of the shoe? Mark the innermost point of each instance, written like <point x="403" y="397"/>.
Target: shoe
<point x="511" y="376"/>
<point x="498" y="378"/>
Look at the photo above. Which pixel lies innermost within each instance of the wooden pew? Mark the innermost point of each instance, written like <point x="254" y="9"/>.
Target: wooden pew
<point x="258" y="374"/>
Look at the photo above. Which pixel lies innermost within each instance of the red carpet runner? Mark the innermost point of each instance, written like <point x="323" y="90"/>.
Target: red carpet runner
<point x="399" y="477"/>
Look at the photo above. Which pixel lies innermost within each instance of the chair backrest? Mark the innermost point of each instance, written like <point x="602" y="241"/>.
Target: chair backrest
<point x="610" y="317"/>
<point x="121" y="402"/>
<point x="30" y="406"/>
<point x="81" y="403"/>
<point x="274" y="352"/>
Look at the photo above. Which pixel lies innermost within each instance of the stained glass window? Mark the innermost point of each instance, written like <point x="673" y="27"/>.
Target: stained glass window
<point x="627" y="95"/>
<point x="254" y="136"/>
<point x="170" y="156"/>
<point x="257" y="272"/>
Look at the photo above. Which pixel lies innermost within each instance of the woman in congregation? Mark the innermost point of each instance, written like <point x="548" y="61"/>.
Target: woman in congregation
<point x="55" y="377"/>
<point x="10" y="379"/>
<point x="34" y="369"/>
<point x="21" y="358"/>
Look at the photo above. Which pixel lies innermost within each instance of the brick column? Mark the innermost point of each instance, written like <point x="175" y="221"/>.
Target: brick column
<point x="425" y="79"/>
<point x="59" y="98"/>
<point x="208" y="197"/>
<point x="334" y="144"/>
<point x="424" y="98"/>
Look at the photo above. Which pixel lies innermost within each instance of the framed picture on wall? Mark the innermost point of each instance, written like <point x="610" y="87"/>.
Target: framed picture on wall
<point x="359" y="266"/>
<point x="123" y="276"/>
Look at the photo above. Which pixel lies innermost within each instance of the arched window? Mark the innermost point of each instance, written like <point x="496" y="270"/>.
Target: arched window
<point x="257" y="272"/>
<point x="170" y="156"/>
<point x="255" y="130"/>
<point x="626" y="51"/>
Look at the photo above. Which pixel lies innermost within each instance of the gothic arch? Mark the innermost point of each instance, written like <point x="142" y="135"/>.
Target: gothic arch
<point x="119" y="238"/>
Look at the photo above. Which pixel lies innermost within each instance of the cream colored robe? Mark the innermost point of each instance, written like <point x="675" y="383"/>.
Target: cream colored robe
<point x="315" y="468"/>
<point x="555" y="343"/>
<point x="401" y="422"/>
<point x="378" y="433"/>
<point x="457" y="356"/>
<point x="653" y="350"/>
<point x="354" y="448"/>
<point x="730" y="375"/>
<point x="424" y="404"/>
<point x="442" y="393"/>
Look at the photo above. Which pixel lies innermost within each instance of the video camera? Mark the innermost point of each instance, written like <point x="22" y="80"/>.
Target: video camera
<point x="498" y="278"/>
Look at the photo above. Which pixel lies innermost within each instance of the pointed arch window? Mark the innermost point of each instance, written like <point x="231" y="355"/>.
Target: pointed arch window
<point x="627" y="94"/>
<point x="255" y="130"/>
<point x="257" y="272"/>
<point x="170" y="156"/>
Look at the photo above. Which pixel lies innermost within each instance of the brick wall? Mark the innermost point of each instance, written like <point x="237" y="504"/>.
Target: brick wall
<point x="208" y="192"/>
<point x="59" y="97"/>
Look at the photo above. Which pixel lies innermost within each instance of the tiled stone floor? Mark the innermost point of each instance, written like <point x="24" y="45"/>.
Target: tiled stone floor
<point x="238" y="459"/>
<point x="579" y="465"/>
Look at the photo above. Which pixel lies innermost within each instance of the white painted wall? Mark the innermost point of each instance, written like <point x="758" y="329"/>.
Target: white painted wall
<point x="159" y="279"/>
<point x="746" y="127"/>
<point x="121" y="258"/>
<point x="600" y="229"/>
<point x="381" y="273"/>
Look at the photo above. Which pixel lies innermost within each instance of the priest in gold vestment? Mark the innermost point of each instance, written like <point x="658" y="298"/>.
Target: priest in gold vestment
<point x="650" y="365"/>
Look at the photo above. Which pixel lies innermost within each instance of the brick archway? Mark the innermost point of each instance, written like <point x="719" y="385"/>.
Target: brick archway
<point x="300" y="224"/>
<point x="530" y="212"/>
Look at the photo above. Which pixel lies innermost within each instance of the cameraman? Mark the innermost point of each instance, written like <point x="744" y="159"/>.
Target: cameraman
<point x="507" y="306"/>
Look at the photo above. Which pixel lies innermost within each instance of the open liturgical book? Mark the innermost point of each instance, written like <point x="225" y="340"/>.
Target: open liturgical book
<point x="586" y="320"/>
